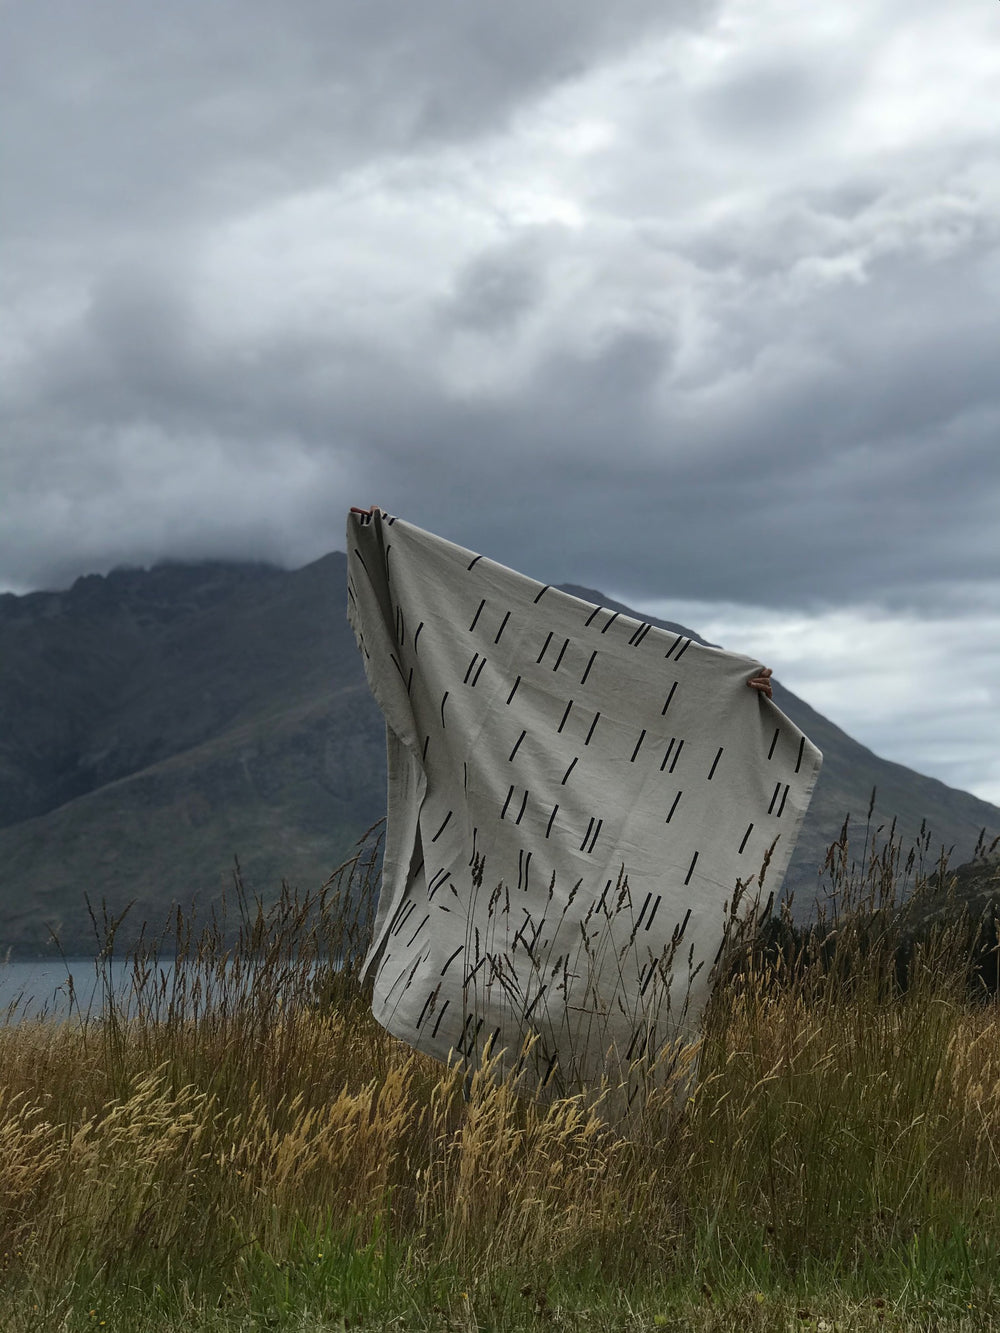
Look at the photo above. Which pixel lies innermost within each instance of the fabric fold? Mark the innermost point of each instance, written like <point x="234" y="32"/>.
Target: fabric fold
<point x="576" y="799"/>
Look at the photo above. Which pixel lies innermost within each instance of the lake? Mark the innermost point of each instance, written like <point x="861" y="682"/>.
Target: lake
<point x="44" y="987"/>
<point x="29" y="989"/>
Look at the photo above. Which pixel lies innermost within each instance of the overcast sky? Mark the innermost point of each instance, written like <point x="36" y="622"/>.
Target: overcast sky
<point x="695" y="303"/>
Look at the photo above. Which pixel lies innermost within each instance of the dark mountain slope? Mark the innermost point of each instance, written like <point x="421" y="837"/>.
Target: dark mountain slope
<point x="153" y="725"/>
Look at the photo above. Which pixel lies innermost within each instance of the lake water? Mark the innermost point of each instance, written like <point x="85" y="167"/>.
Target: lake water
<point x="29" y="989"/>
<point x="74" y="987"/>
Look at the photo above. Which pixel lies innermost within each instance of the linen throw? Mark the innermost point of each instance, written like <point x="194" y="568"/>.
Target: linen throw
<point x="577" y="801"/>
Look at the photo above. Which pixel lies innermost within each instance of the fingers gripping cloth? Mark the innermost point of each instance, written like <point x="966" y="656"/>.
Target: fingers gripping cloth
<point x="576" y="801"/>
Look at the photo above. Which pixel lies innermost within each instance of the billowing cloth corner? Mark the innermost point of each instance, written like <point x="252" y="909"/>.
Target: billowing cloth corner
<point x="576" y="802"/>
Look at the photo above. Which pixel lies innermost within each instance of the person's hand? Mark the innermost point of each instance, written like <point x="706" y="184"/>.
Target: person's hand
<point x="373" y="509"/>
<point x="761" y="680"/>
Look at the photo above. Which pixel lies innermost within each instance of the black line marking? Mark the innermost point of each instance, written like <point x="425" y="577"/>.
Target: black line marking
<point x="560" y="657"/>
<point x="596" y="612"/>
<point x="475" y="835"/>
<point x="362" y="559"/>
<point x="469" y="975"/>
<point x="443" y="826"/>
<point x="516" y="745"/>
<point x="642" y="914"/>
<point x="592" y="726"/>
<point x="659" y="899"/>
<point x="680" y="746"/>
<point x="597" y="834"/>
<point x="418" y="930"/>
<point x="670" y="812"/>
<point x="473" y="562"/>
<point x="590" y="827"/>
<point x="403" y="916"/>
<point x="774" y="741"/>
<point x="514" y="689"/>
<point x="687" y="877"/>
<point x="777" y="788"/>
<point x="475" y="1035"/>
<point x="438" y="882"/>
<point x="638" y="1032"/>
<point x="683" y="650"/>
<point x="666" y="757"/>
<point x="396" y="663"/>
<point x="746" y="838"/>
<point x="525" y="868"/>
<point x="465" y="776"/>
<point x="802" y="746"/>
<point x="544" y="647"/>
<point x="614" y="617"/>
<point x="548" y="827"/>
<point x="583" y="678"/>
<point x="427" y="1003"/>
<point x="352" y="597"/>
<point x="479" y="672"/>
<point x="468" y="673"/>
<point x="392" y="520"/>
<point x="678" y="931"/>
<point x="503" y="626"/>
<point x="451" y="959"/>
<point x="465" y="1045"/>
<point x="542" y="593"/>
<point x="649" y="977"/>
<point x="638" y="745"/>
<point x="520" y="813"/>
<point x="715" y="762"/>
<point x="426" y="743"/>
<point x="564" y="717"/>
<point x="434" y="1029"/>
<point x="443" y="702"/>
<point x="639" y="635"/>
<point x="417" y="635"/>
<point x="676" y="641"/>
<point x="784" y="797"/>
<point x="507" y="802"/>
<point x="475" y="618"/>
<point x="568" y="772"/>
<point x="409" y="681"/>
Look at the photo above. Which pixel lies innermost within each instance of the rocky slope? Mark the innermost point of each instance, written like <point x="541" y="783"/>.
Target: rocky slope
<point x="154" y="725"/>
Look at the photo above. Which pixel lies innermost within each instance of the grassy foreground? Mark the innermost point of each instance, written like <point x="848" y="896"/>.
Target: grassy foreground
<point x="240" y="1147"/>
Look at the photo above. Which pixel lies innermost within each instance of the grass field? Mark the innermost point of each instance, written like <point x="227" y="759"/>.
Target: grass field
<point x="241" y="1147"/>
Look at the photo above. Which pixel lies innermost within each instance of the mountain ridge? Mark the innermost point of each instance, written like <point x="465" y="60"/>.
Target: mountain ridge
<point x="156" y="724"/>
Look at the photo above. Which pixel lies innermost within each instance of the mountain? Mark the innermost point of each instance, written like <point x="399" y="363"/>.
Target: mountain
<point x="155" y="725"/>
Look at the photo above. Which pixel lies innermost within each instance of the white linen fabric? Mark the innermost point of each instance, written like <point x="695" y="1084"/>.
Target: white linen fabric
<point x="576" y="800"/>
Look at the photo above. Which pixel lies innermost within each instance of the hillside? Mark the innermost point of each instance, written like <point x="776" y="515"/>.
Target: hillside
<point x="156" y="724"/>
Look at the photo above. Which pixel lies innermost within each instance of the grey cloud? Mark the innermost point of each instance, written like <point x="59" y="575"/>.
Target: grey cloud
<point x="777" y="98"/>
<point x="167" y="110"/>
<point x="796" y="448"/>
<point x="807" y="482"/>
<point x="494" y="291"/>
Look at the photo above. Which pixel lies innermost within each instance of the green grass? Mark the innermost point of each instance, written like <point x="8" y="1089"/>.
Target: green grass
<point x="241" y="1147"/>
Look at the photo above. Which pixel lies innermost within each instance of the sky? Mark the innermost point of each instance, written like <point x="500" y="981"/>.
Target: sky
<point x="695" y="304"/>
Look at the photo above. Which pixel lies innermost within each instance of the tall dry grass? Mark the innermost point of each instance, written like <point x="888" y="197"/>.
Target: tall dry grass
<point x="236" y="1130"/>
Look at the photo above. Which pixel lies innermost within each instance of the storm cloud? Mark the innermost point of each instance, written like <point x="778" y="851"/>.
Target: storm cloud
<point x="697" y="308"/>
